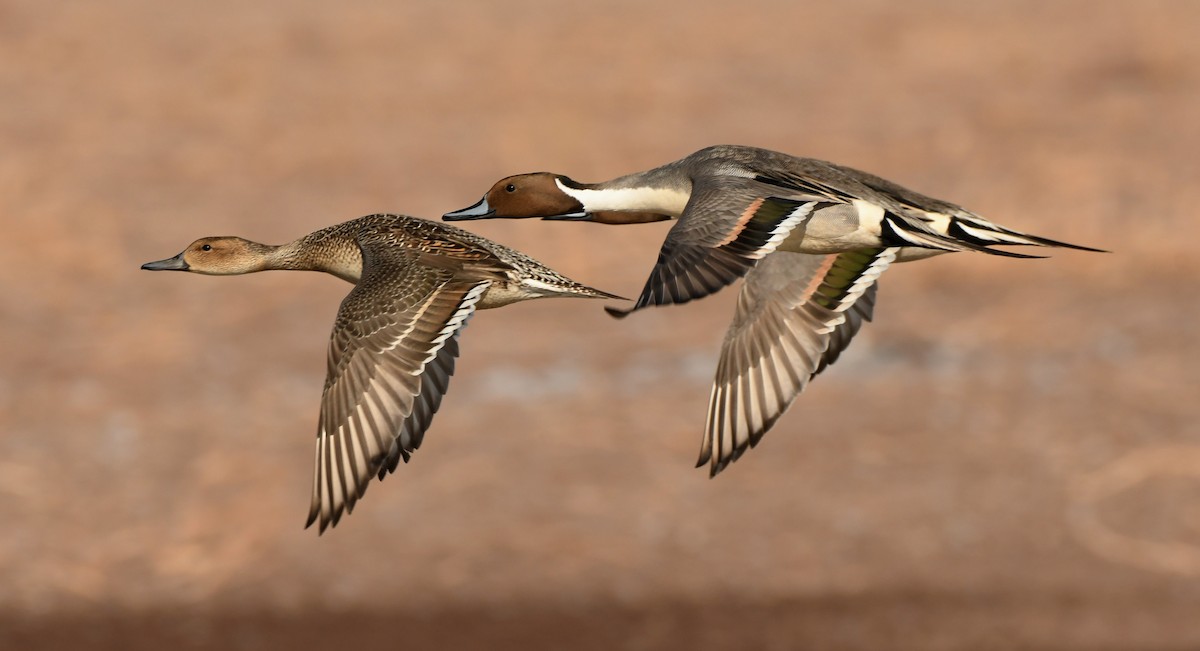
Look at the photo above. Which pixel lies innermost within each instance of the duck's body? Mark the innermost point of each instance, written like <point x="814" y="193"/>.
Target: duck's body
<point x="838" y="229"/>
<point x="395" y="337"/>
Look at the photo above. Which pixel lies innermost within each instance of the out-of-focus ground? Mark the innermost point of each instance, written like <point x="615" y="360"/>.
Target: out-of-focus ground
<point x="1009" y="457"/>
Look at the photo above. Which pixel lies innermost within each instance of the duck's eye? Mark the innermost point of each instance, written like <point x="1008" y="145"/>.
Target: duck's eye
<point x="510" y="188"/>
<point x="206" y="247"/>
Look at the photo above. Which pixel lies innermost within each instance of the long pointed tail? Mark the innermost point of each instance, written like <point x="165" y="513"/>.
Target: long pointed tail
<point x="985" y="233"/>
<point x="964" y="233"/>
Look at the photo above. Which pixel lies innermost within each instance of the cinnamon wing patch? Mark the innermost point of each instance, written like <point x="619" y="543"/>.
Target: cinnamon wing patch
<point x="794" y="317"/>
<point x="724" y="231"/>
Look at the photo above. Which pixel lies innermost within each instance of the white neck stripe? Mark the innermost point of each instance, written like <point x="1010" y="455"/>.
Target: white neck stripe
<point x="659" y="200"/>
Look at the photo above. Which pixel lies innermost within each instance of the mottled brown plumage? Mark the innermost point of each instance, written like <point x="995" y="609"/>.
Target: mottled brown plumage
<point x="395" y="337"/>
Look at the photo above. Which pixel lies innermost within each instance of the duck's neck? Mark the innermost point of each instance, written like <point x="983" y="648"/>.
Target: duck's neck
<point x="661" y="191"/>
<point x="665" y="201"/>
<point x="326" y="252"/>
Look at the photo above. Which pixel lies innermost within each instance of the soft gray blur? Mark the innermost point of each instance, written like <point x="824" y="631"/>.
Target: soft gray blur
<point x="1008" y="457"/>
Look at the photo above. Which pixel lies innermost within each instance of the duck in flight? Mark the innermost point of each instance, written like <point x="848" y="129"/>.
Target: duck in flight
<point x="395" y="338"/>
<point x="810" y="237"/>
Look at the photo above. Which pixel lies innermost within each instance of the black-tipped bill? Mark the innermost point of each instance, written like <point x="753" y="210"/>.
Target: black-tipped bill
<point x="170" y="264"/>
<point x="480" y="210"/>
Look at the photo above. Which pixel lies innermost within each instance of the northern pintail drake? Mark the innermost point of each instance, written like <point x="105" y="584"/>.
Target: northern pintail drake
<point x="395" y="338"/>
<point x="840" y="229"/>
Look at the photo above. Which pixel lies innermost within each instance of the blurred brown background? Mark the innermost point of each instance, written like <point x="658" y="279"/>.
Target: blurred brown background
<point x="1008" y="457"/>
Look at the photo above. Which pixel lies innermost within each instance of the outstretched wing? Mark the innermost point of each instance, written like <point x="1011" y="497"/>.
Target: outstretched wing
<point x="390" y="359"/>
<point x="727" y="226"/>
<point x="795" y="315"/>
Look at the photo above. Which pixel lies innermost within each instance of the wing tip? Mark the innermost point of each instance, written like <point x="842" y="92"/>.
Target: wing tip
<point x="315" y="517"/>
<point x="717" y="466"/>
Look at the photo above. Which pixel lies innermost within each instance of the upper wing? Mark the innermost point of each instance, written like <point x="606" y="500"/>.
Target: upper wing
<point x="795" y="315"/>
<point x="727" y="226"/>
<point x="390" y="360"/>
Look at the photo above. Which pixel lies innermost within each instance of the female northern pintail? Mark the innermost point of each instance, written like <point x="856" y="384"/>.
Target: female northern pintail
<point x="394" y="340"/>
<point x="736" y="205"/>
